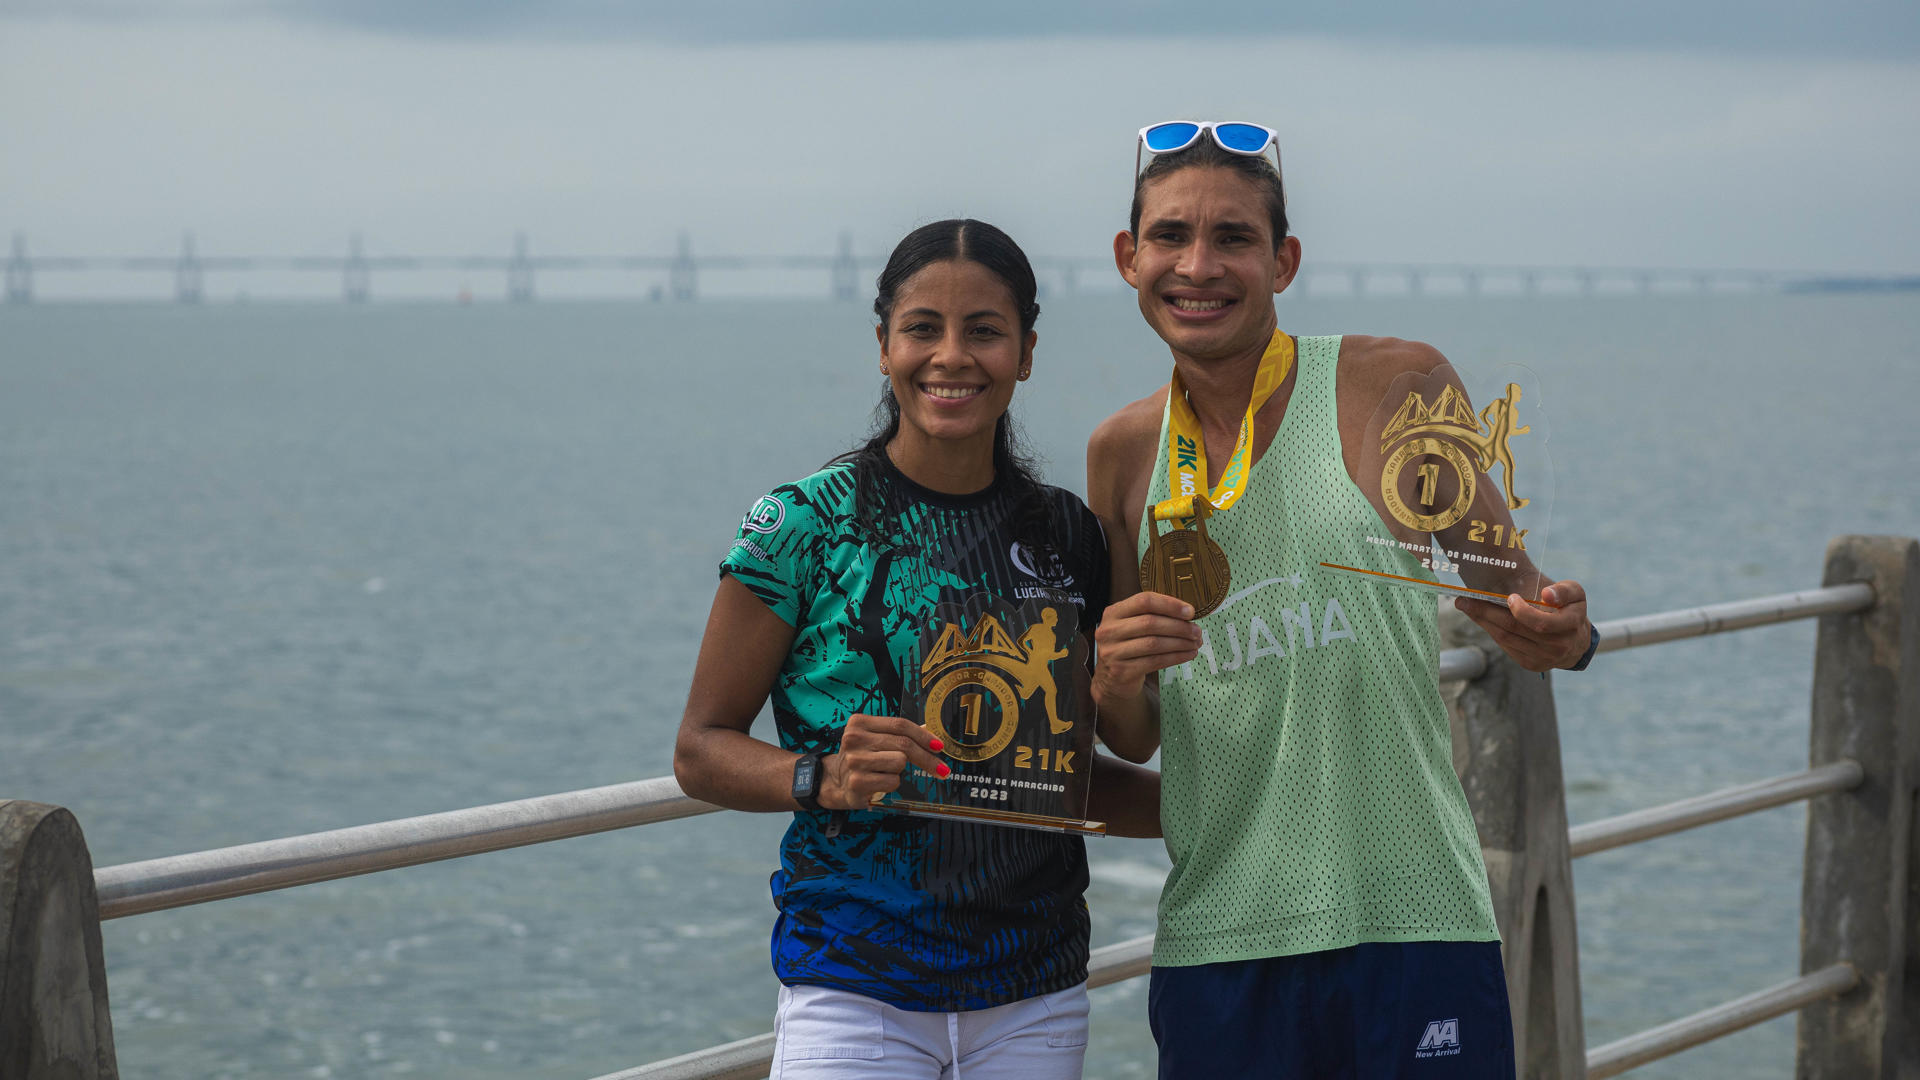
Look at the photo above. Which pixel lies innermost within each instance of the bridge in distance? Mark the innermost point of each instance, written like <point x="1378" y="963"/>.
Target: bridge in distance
<point x="843" y="269"/>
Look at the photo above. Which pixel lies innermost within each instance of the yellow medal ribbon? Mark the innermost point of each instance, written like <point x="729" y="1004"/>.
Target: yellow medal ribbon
<point x="1187" y="448"/>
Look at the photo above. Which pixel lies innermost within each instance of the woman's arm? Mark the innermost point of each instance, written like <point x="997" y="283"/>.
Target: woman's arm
<point x="717" y="761"/>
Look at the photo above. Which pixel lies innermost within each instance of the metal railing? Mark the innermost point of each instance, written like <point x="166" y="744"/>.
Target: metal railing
<point x="201" y="877"/>
<point x="1714" y="806"/>
<point x="1706" y="1025"/>
<point x="181" y="880"/>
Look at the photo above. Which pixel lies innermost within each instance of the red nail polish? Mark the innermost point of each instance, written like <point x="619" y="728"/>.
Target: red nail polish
<point x="937" y="745"/>
<point x="945" y="772"/>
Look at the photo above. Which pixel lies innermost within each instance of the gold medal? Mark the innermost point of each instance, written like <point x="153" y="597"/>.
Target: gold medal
<point x="1185" y="563"/>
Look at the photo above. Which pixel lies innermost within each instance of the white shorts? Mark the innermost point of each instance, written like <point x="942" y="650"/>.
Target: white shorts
<point x="826" y="1034"/>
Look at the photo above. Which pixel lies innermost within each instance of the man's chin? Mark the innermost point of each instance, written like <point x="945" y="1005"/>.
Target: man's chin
<point x="1204" y="342"/>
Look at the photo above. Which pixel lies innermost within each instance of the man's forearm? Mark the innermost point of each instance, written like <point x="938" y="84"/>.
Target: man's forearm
<point x="1129" y="724"/>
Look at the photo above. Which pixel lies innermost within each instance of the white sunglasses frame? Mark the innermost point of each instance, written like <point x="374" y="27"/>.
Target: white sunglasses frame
<point x="1210" y="127"/>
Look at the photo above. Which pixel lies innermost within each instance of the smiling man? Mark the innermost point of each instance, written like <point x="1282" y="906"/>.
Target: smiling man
<point x="1327" y="914"/>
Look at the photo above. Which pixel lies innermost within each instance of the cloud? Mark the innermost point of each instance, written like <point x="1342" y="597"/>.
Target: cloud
<point x="1845" y="28"/>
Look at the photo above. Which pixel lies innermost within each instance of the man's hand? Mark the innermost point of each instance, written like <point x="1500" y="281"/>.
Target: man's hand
<point x="1142" y="634"/>
<point x="1538" y="638"/>
<point x="874" y="751"/>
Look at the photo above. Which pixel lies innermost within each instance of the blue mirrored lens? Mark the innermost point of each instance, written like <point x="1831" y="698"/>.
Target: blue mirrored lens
<point x="1242" y="137"/>
<point x="1164" y="137"/>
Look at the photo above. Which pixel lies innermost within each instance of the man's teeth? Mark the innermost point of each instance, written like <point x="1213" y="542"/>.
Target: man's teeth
<point x="951" y="391"/>
<point x="1198" y="305"/>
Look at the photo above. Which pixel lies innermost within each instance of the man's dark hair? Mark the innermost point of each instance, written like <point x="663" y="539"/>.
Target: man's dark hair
<point x="1205" y="153"/>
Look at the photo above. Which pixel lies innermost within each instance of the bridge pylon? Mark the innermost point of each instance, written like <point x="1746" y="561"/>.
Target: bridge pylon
<point x="520" y="271"/>
<point x="357" y="278"/>
<point x="846" y="273"/>
<point x="189" y="277"/>
<point x="683" y="276"/>
<point x="19" y="272"/>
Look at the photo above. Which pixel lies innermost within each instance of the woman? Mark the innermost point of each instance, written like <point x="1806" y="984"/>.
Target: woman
<point x="907" y="946"/>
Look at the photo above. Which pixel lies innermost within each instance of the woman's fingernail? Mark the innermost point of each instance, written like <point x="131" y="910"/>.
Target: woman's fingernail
<point x="937" y="744"/>
<point x="945" y="772"/>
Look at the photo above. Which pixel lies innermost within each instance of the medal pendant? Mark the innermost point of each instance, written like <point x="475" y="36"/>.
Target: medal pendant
<point x="1187" y="564"/>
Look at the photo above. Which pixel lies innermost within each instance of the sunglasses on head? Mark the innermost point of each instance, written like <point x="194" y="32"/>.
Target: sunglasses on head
<point x="1233" y="136"/>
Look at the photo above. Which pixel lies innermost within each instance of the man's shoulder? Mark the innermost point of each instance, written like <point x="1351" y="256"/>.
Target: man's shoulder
<point x="1134" y="426"/>
<point x="1372" y="363"/>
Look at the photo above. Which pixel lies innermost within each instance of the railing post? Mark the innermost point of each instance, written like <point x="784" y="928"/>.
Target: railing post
<point x="1858" y="903"/>
<point x="53" y="976"/>
<point x="1506" y="748"/>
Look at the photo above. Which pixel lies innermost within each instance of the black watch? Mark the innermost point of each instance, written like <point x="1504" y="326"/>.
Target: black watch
<point x="1593" y="646"/>
<point x="807" y="772"/>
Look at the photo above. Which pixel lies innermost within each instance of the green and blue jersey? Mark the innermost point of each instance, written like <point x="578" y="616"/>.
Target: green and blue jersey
<point x="925" y="914"/>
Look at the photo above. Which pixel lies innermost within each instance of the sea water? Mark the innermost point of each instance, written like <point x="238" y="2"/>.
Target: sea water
<point x="267" y="569"/>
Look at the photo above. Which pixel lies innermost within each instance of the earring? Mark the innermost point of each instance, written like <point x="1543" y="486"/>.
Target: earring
<point x="884" y="371"/>
<point x="1024" y="372"/>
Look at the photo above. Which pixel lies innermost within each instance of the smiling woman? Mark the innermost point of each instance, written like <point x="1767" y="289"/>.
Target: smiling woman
<point x="910" y="946"/>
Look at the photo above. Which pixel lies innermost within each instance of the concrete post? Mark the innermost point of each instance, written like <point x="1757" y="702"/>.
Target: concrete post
<point x="1506" y="748"/>
<point x="53" y="975"/>
<point x="1858" y="902"/>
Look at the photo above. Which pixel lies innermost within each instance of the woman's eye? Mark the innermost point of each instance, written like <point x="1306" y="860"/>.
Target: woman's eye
<point x="986" y="331"/>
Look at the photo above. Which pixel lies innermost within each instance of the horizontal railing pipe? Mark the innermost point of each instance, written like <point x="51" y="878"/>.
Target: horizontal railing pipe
<point x="1714" y="806"/>
<point x="1464" y="663"/>
<point x="1662" y="626"/>
<point x="199" y="877"/>
<point x="1639" y="630"/>
<point x="1689" y="1031"/>
<point x="179" y="880"/>
<point x="749" y="1059"/>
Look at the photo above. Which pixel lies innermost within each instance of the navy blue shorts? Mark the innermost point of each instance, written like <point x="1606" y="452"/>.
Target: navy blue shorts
<point x="1422" y="1010"/>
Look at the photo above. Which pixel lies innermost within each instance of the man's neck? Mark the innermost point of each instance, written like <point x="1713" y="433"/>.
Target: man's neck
<point x="1219" y="388"/>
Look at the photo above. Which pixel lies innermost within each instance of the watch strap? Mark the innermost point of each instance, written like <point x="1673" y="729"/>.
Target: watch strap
<point x="806" y="780"/>
<point x="1593" y="646"/>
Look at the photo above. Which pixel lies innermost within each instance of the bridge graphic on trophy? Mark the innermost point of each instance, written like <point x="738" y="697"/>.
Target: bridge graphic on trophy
<point x="1007" y="689"/>
<point x="1446" y="481"/>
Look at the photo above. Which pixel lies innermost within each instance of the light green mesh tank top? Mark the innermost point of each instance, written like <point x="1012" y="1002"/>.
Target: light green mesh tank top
<point x="1309" y="797"/>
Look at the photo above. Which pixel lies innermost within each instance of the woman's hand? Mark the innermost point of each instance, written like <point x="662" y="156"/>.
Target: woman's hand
<point x="874" y="752"/>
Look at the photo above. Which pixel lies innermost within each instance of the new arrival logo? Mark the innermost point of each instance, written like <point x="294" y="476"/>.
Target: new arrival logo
<point x="1441" y="1039"/>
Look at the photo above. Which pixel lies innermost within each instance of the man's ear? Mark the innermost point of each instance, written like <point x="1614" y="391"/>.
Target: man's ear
<point x="1123" y="249"/>
<point x="1286" y="264"/>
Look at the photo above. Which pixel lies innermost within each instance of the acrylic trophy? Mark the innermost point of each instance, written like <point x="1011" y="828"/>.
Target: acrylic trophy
<point x="1461" y="476"/>
<point x="1007" y="689"/>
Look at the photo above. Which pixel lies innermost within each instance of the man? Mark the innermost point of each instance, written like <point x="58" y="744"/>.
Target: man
<point x="1327" y="914"/>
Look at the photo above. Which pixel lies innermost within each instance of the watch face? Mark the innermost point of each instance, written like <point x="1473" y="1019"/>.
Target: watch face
<point x="803" y="775"/>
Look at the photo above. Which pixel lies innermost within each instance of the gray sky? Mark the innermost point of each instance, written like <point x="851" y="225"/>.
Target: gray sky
<point x="1715" y="134"/>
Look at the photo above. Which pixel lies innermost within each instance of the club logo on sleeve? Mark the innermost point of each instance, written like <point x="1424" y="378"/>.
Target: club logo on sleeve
<point x="766" y="515"/>
<point x="1441" y="1039"/>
